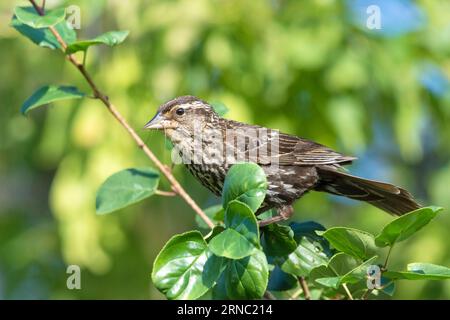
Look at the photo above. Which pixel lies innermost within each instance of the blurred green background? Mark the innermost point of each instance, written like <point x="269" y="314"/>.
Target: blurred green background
<point x="310" y="68"/>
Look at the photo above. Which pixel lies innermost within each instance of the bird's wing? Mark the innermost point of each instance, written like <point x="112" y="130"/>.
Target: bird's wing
<point x="292" y="150"/>
<point x="272" y="146"/>
<point x="298" y="151"/>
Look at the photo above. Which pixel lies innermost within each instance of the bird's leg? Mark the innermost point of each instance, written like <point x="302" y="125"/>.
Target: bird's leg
<point x="283" y="214"/>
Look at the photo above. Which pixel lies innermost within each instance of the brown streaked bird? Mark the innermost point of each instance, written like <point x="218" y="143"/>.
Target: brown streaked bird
<point x="301" y="165"/>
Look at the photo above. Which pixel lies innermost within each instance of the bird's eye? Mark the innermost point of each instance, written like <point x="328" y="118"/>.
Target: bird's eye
<point x="179" y="111"/>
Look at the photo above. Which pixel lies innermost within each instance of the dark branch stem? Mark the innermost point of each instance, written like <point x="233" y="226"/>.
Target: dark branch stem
<point x="387" y="258"/>
<point x="366" y="294"/>
<point x="305" y="288"/>
<point x="116" y="114"/>
<point x="269" y="296"/>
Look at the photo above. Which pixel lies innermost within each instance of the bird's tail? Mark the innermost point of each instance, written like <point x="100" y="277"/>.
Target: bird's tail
<point x="392" y="199"/>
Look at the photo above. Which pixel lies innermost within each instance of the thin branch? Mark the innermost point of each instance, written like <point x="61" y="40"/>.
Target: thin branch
<point x="366" y="294"/>
<point x="387" y="258"/>
<point x="305" y="288"/>
<point x="116" y="114"/>
<point x="269" y="296"/>
<point x="85" y="56"/>
<point x="349" y="294"/>
<point x="296" y="294"/>
<point x="165" y="193"/>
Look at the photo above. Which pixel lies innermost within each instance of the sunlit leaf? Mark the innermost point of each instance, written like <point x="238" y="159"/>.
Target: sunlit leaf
<point x="126" y="187"/>
<point x="110" y="38"/>
<point x="214" y="232"/>
<point x="30" y="17"/>
<point x="358" y="273"/>
<point x="44" y="37"/>
<point x="357" y="243"/>
<point x="342" y="268"/>
<point x="48" y="94"/>
<point x="420" y="271"/>
<point x="405" y="226"/>
<point x="185" y="268"/>
<point x="246" y="278"/>
<point x="247" y="183"/>
<point x="231" y="244"/>
<point x="241" y="236"/>
<point x="305" y="258"/>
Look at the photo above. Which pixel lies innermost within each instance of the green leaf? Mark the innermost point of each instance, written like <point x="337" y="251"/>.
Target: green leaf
<point x="29" y="17"/>
<point x="342" y="268"/>
<point x="312" y="250"/>
<point x="111" y="38"/>
<point x="247" y="183"/>
<point x="219" y="108"/>
<point x="281" y="281"/>
<point x="278" y="240"/>
<point x="212" y="212"/>
<point x="214" y="232"/>
<point x="49" y="94"/>
<point x="126" y="187"/>
<point x="246" y="278"/>
<point x="420" y="271"/>
<point x="405" y="226"/>
<point x="185" y="268"/>
<point x="309" y="230"/>
<point x="357" y="243"/>
<point x="388" y="286"/>
<point x="305" y="258"/>
<point x="341" y="263"/>
<point x="267" y="214"/>
<point x="337" y="266"/>
<point x="44" y="37"/>
<point x="332" y="282"/>
<point x="241" y="236"/>
<point x="231" y="244"/>
<point x="239" y="217"/>
<point x="358" y="273"/>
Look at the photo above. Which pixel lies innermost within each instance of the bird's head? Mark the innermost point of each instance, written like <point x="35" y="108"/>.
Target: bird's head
<point x="182" y="115"/>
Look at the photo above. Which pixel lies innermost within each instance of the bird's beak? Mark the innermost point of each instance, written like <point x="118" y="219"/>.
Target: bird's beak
<point x="157" y="123"/>
<point x="160" y="122"/>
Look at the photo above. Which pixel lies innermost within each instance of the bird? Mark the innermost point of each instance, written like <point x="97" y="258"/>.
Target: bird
<point x="209" y="145"/>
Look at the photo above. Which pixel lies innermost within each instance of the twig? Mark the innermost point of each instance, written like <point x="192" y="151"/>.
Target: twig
<point x="269" y="296"/>
<point x="349" y="294"/>
<point x="305" y="288"/>
<point x="116" y="114"/>
<point x="387" y="258"/>
<point x="296" y="294"/>
<point x="366" y="294"/>
<point x="85" y="56"/>
<point x="165" y="193"/>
